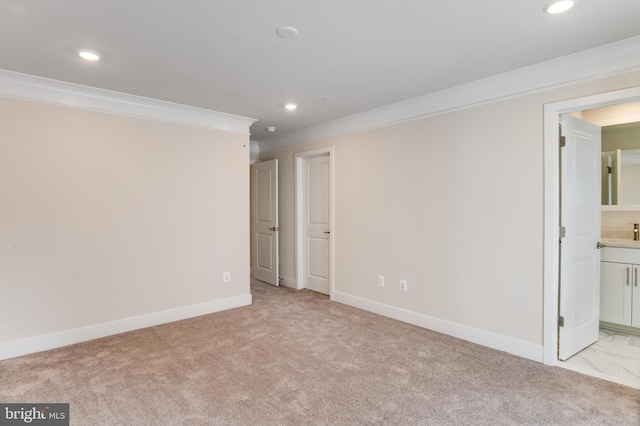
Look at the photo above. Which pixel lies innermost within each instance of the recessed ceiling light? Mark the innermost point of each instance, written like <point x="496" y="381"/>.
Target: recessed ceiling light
<point x="88" y="55"/>
<point x="291" y="107"/>
<point x="559" y="6"/>
<point x="270" y="129"/>
<point x="287" y="32"/>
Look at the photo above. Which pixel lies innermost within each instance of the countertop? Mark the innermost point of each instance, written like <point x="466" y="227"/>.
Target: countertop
<point x="619" y="242"/>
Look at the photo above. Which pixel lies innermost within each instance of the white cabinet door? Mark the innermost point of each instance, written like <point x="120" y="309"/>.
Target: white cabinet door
<point x="615" y="293"/>
<point x="635" y="309"/>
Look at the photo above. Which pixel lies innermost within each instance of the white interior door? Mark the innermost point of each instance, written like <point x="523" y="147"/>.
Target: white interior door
<point x="579" y="254"/>
<point x="317" y="226"/>
<point x="265" y="229"/>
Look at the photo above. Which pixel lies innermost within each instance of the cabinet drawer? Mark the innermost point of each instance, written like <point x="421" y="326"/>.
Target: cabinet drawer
<point x="620" y="255"/>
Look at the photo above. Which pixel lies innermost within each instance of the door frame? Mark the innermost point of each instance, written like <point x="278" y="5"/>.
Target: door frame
<point x="551" y="247"/>
<point x="299" y="220"/>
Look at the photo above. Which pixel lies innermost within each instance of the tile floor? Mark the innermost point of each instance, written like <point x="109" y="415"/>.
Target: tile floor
<point x="615" y="357"/>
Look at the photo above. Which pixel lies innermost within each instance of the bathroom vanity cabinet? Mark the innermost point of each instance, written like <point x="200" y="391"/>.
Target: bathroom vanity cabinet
<point x="619" y="281"/>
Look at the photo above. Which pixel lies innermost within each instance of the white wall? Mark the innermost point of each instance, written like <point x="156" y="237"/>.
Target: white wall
<point x="619" y="224"/>
<point x="453" y="203"/>
<point x="109" y="223"/>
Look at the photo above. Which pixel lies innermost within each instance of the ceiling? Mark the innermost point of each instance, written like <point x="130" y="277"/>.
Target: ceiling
<point x="350" y="56"/>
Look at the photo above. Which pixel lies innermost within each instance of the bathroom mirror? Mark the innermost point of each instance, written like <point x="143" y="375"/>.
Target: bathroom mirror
<point x="621" y="164"/>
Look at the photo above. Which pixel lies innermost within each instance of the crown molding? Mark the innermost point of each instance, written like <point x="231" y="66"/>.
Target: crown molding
<point x="608" y="60"/>
<point x="28" y="87"/>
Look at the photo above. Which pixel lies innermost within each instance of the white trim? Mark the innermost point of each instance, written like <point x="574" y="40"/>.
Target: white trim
<point x="298" y="237"/>
<point x="611" y="59"/>
<point x="55" y="340"/>
<point x="481" y="337"/>
<point x="39" y="89"/>
<point x="552" y="204"/>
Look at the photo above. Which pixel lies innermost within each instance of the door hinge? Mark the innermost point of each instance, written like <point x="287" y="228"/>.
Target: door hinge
<point x="609" y="170"/>
<point x="560" y="321"/>
<point x="563" y="141"/>
<point x="563" y="232"/>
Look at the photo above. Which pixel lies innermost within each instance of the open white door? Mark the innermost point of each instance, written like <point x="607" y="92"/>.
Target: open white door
<point x="317" y="226"/>
<point x="264" y="237"/>
<point x="579" y="249"/>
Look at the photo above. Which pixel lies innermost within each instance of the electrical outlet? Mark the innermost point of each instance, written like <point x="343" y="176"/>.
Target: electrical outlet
<point x="226" y="277"/>
<point x="381" y="280"/>
<point x="403" y="285"/>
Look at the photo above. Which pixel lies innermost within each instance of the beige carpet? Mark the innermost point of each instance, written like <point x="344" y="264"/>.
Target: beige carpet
<point x="295" y="358"/>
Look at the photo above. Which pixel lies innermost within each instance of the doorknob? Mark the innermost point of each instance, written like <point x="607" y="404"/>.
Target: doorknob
<point x="599" y="245"/>
<point x="327" y="232"/>
<point x="275" y="228"/>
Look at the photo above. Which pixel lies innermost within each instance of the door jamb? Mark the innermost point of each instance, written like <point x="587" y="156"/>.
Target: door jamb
<point x="551" y="249"/>
<point x="298" y="188"/>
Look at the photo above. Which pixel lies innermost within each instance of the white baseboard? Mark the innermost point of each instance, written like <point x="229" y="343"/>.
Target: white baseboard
<point x="470" y="334"/>
<point x="31" y="345"/>
<point x="289" y="282"/>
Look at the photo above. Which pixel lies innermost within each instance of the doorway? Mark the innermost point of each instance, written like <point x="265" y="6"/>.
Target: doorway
<point x="552" y="113"/>
<point x="315" y="220"/>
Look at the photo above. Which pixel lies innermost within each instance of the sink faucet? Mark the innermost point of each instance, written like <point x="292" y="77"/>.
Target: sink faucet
<point x="636" y="228"/>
